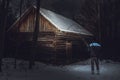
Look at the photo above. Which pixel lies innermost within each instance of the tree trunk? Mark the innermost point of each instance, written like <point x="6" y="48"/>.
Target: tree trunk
<point x="17" y="41"/>
<point x="35" y="35"/>
<point x="3" y="22"/>
<point x="36" y="30"/>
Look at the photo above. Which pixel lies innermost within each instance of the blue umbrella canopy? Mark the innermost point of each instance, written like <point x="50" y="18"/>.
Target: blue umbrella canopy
<point x="95" y="44"/>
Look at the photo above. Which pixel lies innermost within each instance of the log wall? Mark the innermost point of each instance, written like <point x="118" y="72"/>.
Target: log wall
<point x="51" y="41"/>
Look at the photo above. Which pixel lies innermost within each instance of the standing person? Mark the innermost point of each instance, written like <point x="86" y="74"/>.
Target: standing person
<point x="94" y="50"/>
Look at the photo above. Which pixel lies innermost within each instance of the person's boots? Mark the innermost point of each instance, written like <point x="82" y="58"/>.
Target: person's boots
<point x="92" y="72"/>
<point x="98" y="72"/>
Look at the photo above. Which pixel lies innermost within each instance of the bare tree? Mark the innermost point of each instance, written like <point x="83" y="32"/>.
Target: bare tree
<point x="89" y="16"/>
<point x="35" y="34"/>
<point x="17" y="41"/>
<point x="3" y="21"/>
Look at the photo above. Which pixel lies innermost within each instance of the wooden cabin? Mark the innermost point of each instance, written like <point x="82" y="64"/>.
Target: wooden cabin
<point x="59" y="37"/>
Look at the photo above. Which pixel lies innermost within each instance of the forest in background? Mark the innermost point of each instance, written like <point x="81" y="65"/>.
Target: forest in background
<point x="90" y="14"/>
<point x="100" y="17"/>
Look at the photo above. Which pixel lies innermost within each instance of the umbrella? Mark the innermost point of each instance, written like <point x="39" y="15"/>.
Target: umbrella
<point x="95" y="44"/>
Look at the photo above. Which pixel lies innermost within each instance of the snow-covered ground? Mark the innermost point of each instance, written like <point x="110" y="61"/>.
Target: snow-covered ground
<point x="76" y="71"/>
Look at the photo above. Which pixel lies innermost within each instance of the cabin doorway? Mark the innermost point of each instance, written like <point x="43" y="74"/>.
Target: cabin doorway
<point x="69" y="51"/>
<point x="79" y="51"/>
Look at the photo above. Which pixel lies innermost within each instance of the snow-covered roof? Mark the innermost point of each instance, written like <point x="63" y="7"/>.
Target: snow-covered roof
<point x="60" y="22"/>
<point x="63" y="23"/>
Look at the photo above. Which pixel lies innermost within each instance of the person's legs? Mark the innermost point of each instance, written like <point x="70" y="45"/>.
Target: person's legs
<point x="97" y="64"/>
<point x="92" y="65"/>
